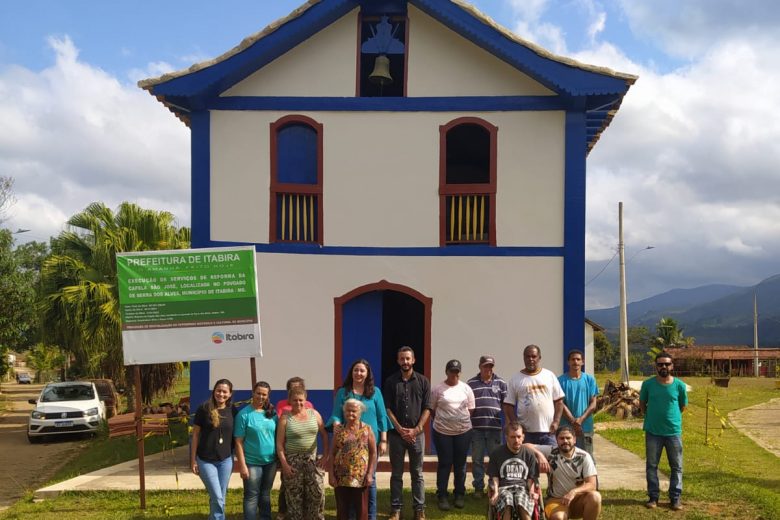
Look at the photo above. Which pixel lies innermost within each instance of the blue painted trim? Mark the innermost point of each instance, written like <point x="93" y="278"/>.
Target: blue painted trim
<point x="467" y="251"/>
<point x="200" y="153"/>
<point x="574" y="236"/>
<point x="397" y="104"/>
<point x="200" y="390"/>
<point x="382" y="7"/>
<point x="553" y="74"/>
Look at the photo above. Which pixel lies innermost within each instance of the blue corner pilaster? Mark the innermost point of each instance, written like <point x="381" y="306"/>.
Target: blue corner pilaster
<point x="574" y="235"/>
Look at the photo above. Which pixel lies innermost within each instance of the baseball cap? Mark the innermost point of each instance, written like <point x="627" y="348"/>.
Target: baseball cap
<point x="453" y="364"/>
<point x="487" y="360"/>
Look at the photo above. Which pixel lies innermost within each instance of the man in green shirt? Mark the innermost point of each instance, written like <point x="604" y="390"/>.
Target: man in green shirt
<point x="663" y="399"/>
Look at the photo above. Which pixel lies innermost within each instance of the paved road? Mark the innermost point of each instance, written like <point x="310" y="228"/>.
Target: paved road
<point x="761" y="423"/>
<point x="26" y="466"/>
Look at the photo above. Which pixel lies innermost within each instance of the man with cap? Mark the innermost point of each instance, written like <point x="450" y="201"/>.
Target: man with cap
<point x="452" y="403"/>
<point x="489" y="393"/>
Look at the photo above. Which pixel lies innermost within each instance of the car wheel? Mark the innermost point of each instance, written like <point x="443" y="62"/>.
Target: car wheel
<point x="33" y="440"/>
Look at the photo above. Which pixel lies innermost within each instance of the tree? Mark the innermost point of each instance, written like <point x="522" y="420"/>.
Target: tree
<point x="668" y="334"/>
<point x="639" y="336"/>
<point x="18" y="283"/>
<point x="44" y="359"/>
<point x="604" y="352"/>
<point x="81" y="302"/>
<point x="6" y="196"/>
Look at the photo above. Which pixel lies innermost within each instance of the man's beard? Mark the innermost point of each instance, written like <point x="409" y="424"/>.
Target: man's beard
<point x="663" y="372"/>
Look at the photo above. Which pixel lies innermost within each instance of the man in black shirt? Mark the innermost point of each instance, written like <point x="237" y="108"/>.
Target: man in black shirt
<point x="408" y="400"/>
<point x="513" y="471"/>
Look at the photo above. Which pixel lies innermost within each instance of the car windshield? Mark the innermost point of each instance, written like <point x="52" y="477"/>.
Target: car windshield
<point x="53" y="394"/>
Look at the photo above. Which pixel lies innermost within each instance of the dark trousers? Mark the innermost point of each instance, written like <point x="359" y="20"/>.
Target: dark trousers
<point x="351" y="499"/>
<point x="451" y="451"/>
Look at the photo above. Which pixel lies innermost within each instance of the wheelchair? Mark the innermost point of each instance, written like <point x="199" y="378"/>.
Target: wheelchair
<point x="538" y="511"/>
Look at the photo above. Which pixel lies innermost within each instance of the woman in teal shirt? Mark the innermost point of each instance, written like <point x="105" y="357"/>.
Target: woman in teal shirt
<point x="359" y="384"/>
<point x="255" y="433"/>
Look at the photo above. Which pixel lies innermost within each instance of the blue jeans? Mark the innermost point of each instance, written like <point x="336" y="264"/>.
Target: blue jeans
<point x="398" y="449"/>
<point x="542" y="438"/>
<point x="483" y="442"/>
<point x="674" y="454"/>
<point x="257" y="491"/>
<point x="215" y="476"/>
<point x="585" y="442"/>
<point x="451" y="451"/>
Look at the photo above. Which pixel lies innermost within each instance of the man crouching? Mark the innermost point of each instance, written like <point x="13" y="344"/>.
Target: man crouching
<point x="513" y="472"/>
<point x="573" y="481"/>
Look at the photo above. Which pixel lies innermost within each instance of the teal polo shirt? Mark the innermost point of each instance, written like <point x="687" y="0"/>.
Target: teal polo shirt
<point x="663" y="416"/>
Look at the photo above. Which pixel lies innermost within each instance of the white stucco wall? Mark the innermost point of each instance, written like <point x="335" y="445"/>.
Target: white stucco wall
<point x="498" y="305"/>
<point x="590" y="359"/>
<point x="381" y="177"/>
<point x="443" y="63"/>
<point x="323" y="65"/>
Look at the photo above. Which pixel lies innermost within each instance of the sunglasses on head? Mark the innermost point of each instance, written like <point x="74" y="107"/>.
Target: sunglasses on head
<point x="659" y="365"/>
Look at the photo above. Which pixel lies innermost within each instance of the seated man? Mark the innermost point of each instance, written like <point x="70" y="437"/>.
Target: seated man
<point x="513" y="471"/>
<point x="573" y="481"/>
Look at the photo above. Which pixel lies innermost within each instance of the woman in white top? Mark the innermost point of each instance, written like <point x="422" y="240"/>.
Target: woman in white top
<point x="453" y="403"/>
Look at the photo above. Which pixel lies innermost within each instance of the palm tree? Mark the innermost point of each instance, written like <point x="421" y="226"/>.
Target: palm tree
<point x="80" y="305"/>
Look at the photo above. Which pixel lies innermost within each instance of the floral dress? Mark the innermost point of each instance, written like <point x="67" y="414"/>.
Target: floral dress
<point x="350" y="464"/>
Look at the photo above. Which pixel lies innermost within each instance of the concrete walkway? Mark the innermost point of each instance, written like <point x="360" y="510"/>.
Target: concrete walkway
<point x="761" y="423"/>
<point x="618" y="469"/>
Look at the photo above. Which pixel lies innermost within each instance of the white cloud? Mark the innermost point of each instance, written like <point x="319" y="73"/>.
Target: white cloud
<point x="72" y="134"/>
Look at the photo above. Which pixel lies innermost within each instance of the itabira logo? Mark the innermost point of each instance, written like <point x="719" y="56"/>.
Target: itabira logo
<point x="217" y="337"/>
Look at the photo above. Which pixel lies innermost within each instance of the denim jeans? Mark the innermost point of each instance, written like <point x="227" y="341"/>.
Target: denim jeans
<point x="257" y="491"/>
<point x="398" y="449"/>
<point x="674" y="454"/>
<point x="483" y="442"/>
<point x="451" y="451"/>
<point x="585" y="442"/>
<point x="215" y="476"/>
<point x="543" y="438"/>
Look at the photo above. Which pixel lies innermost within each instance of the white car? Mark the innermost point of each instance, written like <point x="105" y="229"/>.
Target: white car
<point x="71" y="407"/>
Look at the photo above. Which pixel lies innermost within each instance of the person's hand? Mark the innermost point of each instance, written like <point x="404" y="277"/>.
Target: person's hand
<point x="194" y="467"/>
<point x="553" y="426"/>
<point x="382" y="448"/>
<point x="577" y="428"/>
<point x="369" y="479"/>
<point x="287" y="470"/>
<point x="331" y="480"/>
<point x="493" y="496"/>
<point x="544" y="465"/>
<point x="568" y="497"/>
<point x="322" y="462"/>
<point x="243" y="471"/>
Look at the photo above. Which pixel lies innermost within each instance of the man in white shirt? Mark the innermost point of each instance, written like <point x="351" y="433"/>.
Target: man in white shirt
<point x="535" y="399"/>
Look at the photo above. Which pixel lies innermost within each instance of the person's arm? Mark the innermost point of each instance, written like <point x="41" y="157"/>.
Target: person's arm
<point x="643" y="399"/>
<point x="194" y="448"/>
<point x="424" y="416"/>
<point x="281" y="435"/>
<point x="333" y="447"/>
<point x="243" y="470"/>
<point x="541" y="460"/>
<point x="323" y="462"/>
<point x="683" y="399"/>
<point x="371" y="459"/>
<point x="566" y="414"/>
<point x="589" y="410"/>
<point x="381" y="421"/>
<point x="589" y="484"/>
<point x="558" y="404"/>
<point x="337" y="417"/>
<point x="509" y="412"/>
<point x="493" y="490"/>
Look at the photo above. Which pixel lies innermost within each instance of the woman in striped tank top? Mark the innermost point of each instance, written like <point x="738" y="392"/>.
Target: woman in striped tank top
<point x="296" y="447"/>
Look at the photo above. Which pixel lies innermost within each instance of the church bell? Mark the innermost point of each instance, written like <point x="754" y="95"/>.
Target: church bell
<point x="381" y="73"/>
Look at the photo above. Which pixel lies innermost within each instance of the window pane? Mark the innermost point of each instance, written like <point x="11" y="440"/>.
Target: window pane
<point x="297" y="154"/>
<point x="468" y="155"/>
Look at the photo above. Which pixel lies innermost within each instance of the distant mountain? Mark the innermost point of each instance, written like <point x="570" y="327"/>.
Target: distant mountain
<point x="712" y="314"/>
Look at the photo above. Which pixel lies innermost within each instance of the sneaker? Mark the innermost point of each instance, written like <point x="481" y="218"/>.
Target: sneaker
<point x="395" y="515"/>
<point x="479" y="494"/>
<point x="651" y="504"/>
<point x="444" y="504"/>
<point x="676" y="505"/>
<point x="419" y="515"/>
<point x="460" y="503"/>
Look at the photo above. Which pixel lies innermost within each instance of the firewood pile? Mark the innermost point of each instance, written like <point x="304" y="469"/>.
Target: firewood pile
<point x="619" y="400"/>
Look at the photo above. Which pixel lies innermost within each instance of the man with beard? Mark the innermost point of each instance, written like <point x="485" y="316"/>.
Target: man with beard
<point x="408" y="402"/>
<point x="572" y="492"/>
<point x="536" y="396"/>
<point x="513" y="471"/>
<point x="663" y="399"/>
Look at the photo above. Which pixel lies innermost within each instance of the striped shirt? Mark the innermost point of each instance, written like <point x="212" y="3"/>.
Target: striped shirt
<point x="301" y="434"/>
<point x="488" y="397"/>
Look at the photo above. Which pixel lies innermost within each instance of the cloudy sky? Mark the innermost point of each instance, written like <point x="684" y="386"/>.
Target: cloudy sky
<point x="691" y="154"/>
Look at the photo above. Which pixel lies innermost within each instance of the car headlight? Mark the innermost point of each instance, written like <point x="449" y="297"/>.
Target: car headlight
<point x="38" y="415"/>
<point x="91" y="411"/>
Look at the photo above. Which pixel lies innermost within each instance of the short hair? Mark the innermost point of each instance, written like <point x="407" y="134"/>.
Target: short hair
<point x="663" y="354"/>
<point x="535" y="347"/>
<point x="354" y="402"/>
<point x="294" y="381"/>
<point x="575" y="351"/>
<point x="564" y="428"/>
<point x="405" y="348"/>
<point x="512" y="426"/>
<point x="296" y="390"/>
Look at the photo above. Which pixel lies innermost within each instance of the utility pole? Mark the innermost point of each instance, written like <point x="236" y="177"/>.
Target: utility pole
<point x="755" y="336"/>
<point x="623" y="304"/>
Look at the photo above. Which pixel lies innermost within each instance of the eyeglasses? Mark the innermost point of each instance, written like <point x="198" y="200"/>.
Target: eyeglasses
<point x="659" y="365"/>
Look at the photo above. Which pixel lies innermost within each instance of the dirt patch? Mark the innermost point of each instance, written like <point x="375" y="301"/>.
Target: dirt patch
<point x="26" y="466"/>
<point x="761" y="423"/>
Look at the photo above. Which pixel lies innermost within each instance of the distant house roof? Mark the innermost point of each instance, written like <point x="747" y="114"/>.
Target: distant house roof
<point x="595" y="325"/>
<point x="723" y="352"/>
<point x="601" y="88"/>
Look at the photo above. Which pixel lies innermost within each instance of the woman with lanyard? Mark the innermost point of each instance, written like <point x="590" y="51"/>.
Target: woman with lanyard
<point x="296" y="447"/>
<point x="255" y="434"/>
<point x="211" y="455"/>
<point x="359" y="384"/>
